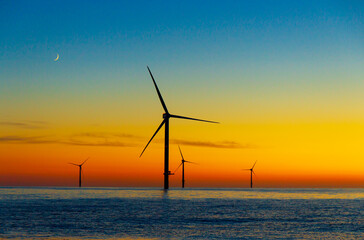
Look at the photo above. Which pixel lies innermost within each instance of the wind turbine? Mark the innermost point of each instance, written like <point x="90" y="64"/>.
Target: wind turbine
<point x="251" y="174"/>
<point x="183" y="167"/>
<point x="166" y="117"/>
<point x="80" y="172"/>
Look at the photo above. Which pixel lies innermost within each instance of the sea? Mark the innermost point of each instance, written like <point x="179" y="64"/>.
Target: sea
<point x="151" y="213"/>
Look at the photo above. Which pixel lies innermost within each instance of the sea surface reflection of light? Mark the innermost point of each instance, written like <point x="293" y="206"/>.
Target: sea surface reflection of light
<point x="261" y="193"/>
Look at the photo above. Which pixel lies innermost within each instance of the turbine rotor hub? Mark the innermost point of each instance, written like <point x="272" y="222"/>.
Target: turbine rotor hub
<point x="166" y="115"/>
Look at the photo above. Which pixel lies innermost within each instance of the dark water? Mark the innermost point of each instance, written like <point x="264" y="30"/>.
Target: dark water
<point x="110" y="213"/>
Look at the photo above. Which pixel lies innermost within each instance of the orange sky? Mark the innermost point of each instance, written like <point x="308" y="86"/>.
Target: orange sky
<point x="289" y="155"/>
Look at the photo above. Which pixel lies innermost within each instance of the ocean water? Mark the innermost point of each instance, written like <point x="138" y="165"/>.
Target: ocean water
<point x="132" y="213"/>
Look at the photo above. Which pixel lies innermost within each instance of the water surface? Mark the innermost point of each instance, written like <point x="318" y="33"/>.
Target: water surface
<point x="110" y="213"/>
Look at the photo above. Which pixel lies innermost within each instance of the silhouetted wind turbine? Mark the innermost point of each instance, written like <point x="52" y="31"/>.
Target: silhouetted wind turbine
<point x="80" y="166"/>
<point x="166" y="117"/>
<point x="251" y="174"/>
<point x="183" y="167"/>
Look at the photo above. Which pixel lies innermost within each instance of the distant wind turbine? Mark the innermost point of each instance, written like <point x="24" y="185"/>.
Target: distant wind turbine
<point x="251" y="174"/>
<point x="183" y="167"/>
<point x="80" y="172"/>
<point x="166" y="117"/>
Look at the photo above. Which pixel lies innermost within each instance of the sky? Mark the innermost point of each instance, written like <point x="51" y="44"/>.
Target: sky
<point x="283" y="78"/>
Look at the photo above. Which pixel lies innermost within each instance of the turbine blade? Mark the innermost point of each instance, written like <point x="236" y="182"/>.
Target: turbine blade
<point x="159" y="94"/>
<point x="254" y="164"/>
<point x="85" y="161"/>
<point x="244" y="169"/>
<point x="181" y="152"/>
<point x="196" y="119"/>
<point x="178" y="167"/>
<point x="254" y="173"/>
<point x="74" y="164"/>
<point x="192" y="162"/>
<point x="152" y="137"/>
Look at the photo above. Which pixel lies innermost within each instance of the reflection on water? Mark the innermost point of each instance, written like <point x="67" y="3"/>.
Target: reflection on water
<point x="124" y="213"/>
<point x="259" y="193"/>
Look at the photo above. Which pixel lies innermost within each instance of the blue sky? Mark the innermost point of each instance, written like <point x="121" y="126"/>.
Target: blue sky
<point x="160" y="31"/>
<point x="275" y="49"/>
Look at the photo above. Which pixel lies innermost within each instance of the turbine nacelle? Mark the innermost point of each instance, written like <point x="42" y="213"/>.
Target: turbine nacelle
<point x="169" y="173"/>
<point x="166" y="115"/>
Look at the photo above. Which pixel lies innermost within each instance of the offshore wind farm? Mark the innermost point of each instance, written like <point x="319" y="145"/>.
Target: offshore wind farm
<point x="79" y="172"/>
<point x="165" y="122"/>
<point x="251" y="170"/>
<point x="183" y="161"/>
<point x="281" y="80"/>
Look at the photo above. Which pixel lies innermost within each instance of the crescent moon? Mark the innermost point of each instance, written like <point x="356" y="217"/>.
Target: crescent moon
<point x="56" y="57"/>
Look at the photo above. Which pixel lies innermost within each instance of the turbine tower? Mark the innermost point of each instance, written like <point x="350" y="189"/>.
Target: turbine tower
<point x="183" y="167"/>
<point x="165" y="122"/>
<point x="80" y="171"/>
<point x="251" y="174"/>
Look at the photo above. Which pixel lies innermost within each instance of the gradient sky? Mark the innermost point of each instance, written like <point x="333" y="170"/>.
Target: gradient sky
<point x="284" y="78"/>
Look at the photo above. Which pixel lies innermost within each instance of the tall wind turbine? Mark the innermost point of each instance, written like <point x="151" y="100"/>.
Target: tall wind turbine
<point x="183" y="167"/>
<point x="251" y="174"/>
<point x="80" y="172"/>
<point x="166" y="117"/>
